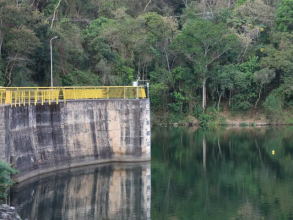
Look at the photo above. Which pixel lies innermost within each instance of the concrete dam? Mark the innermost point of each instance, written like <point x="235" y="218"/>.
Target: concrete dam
<point x="45" y="137"/>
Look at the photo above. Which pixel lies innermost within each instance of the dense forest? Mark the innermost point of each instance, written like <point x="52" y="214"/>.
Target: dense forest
<point x="201" y="57"/>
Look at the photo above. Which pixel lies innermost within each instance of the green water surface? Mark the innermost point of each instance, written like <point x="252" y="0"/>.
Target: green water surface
<point x="226" y="173"/>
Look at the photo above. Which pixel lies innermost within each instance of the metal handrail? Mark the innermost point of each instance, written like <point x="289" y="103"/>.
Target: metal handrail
<point x="27" y="95"/>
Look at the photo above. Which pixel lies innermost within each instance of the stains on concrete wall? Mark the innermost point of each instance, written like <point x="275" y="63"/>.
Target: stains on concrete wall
<point x="45" y="138"/>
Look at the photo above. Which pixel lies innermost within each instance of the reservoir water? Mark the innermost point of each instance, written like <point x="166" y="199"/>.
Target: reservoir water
<point x="224" y="173"/>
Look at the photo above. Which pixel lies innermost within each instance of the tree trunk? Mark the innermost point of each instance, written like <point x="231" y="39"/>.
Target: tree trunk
<point x="204" y="95"/>
<point x="54" y="14"/>
<point x="220" y="96"/>
<point x="167" y="60"/>
<point x="147" y="6"/>
<point x="8" y="73"/>
<point x="230" y="98"/>
<point x="258" y="98"/>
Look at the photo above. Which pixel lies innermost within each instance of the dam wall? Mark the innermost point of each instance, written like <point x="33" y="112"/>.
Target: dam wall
<point x="40" y="138"/>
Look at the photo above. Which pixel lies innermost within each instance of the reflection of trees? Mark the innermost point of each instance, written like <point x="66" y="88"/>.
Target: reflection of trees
<point x="241" y="177"/>
<point x="204" y="150"/>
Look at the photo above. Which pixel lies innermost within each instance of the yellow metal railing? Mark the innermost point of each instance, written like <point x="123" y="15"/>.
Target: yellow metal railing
<point x="33" y="95"/>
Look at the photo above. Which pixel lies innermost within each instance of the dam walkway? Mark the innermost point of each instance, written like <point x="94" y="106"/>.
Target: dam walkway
<point x="21" y="96"/>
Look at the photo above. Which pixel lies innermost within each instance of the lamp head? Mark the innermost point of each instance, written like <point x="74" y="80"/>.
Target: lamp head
<point x="55" y="37"/>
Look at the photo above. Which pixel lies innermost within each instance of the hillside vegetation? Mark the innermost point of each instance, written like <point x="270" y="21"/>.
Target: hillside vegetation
<point x="200" y="56"/>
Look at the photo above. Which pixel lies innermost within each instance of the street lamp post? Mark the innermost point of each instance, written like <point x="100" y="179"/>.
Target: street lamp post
<point x="52" y="60"/>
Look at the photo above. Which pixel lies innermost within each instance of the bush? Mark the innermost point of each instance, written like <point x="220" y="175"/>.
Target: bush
<point x="197" y="111"/>
<point x="240" y="103"/>
<point x="175" y="117"/>
<point x="241" y="106"/>
<point x="5" y="171"/>
<point x="204" y="119"/>
<point x="211" y="118"/>
<point x="157" y="91"/>
<point x="274" y="106"/>
<point x="243" y="124"/>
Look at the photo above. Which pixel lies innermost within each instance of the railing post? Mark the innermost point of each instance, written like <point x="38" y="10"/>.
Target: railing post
<point x="15" y="97"/>
<point x="137" y="92"/>
<point x="19" y="96"/>
<point x="124" y="92"/>
<point x="107" y="92"/>
<point x="42" y="97"/>
<point x="50" y="97"/>
<point x="64" y="95"/>
<point x="8" y="98"/>
<point x="23" y="98"/>
<point x="57" y="95"/>
<point x="36" y="96"/>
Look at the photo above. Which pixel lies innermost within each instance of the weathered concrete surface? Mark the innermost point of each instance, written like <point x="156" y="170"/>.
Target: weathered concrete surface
<point x="44" y="138"/>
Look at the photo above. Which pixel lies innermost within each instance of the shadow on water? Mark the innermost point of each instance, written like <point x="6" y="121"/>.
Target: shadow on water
<point x="226" y="173"/>
<point x="109" y="191"/>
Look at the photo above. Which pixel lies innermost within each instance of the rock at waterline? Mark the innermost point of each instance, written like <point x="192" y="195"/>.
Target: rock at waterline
<point x="8" y="213"/>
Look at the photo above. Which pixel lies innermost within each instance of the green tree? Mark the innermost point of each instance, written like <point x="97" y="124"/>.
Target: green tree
<point x="284" y="15"/>
<point x="204" y="43"/>
<point x="20" y="44"/>
<point x="262" y="77"/>
<point x="223" y="81"/>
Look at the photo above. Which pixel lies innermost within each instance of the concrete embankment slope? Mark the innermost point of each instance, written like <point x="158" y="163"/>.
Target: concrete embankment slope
<point x="44" y="138"/>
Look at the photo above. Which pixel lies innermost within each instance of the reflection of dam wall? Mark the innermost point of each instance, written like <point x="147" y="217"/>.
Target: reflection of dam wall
<point x="100" y="192"/>
<point x="44" y="138"/>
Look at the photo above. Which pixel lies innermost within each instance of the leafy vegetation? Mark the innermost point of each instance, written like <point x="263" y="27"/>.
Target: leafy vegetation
<point x="5" y="171"/>
<point x="228" y="55"/>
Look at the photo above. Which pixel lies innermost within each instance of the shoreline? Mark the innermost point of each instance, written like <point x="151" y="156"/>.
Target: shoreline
<point x="223" y="125"/>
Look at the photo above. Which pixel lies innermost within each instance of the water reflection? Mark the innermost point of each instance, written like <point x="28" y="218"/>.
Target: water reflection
<point x="115" y="191"/>
<point x="222" y="173"/>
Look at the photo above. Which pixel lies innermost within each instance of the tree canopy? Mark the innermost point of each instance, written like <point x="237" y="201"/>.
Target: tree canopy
<point x="196" y="54"/>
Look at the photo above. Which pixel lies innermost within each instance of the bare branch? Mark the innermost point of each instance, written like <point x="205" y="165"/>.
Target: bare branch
<point x="55" y="14"/>
<point x="217" y="57"/>
<point x="147" y="6"/>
